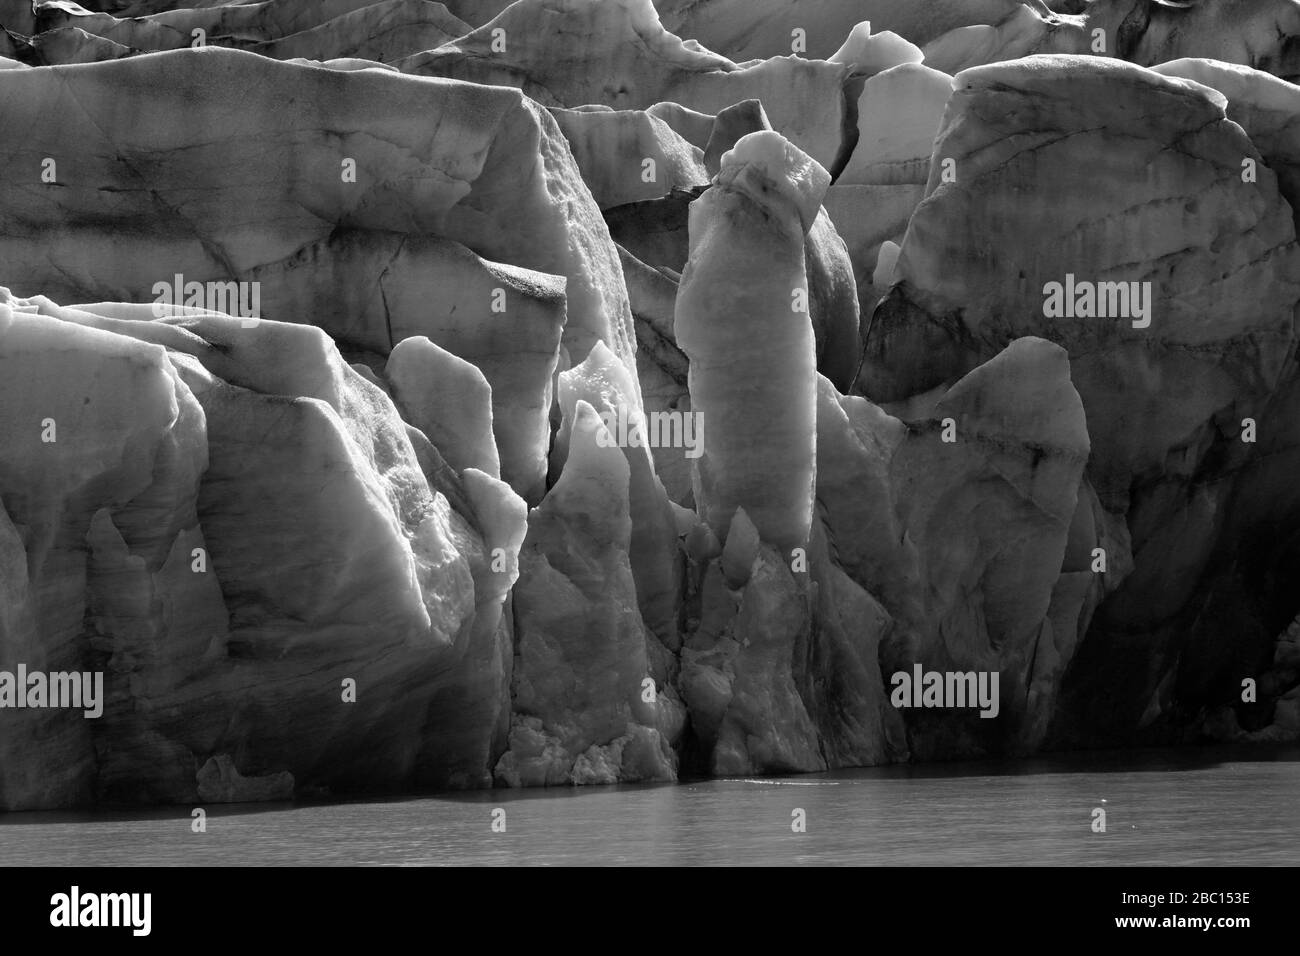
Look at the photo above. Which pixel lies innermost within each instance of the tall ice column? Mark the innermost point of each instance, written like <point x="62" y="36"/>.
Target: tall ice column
<point x="742" y="319"/>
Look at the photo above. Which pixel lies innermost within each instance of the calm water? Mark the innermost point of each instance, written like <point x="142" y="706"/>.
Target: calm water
<point x="1167" y="807"/>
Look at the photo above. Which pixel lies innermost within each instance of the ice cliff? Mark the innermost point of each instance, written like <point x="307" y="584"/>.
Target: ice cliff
<point x="634" y="389"/>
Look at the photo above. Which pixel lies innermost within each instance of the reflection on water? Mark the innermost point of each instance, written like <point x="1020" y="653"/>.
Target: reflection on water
<point x="1165" y="807"/>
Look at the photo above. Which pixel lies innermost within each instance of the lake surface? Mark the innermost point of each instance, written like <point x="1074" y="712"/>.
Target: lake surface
<point x="1212" y="806"/>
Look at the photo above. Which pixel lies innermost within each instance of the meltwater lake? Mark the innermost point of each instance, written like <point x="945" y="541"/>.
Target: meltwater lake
<point x="1169" y="807"/>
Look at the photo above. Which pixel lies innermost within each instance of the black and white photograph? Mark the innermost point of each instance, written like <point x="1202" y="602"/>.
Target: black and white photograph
<point x="651" y="434"/>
